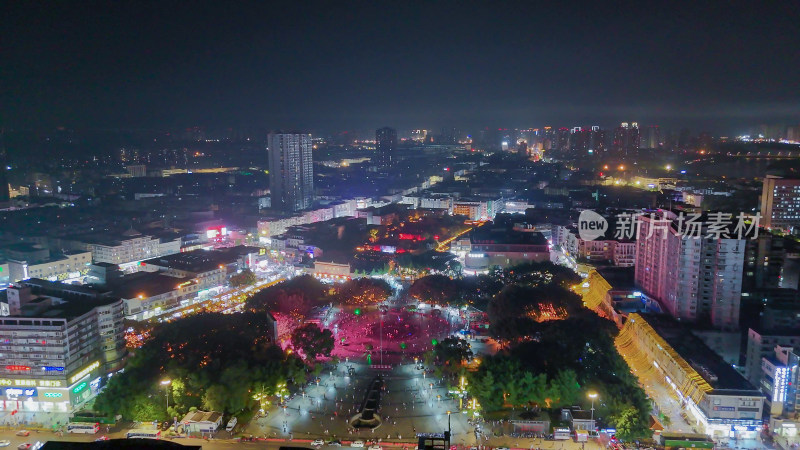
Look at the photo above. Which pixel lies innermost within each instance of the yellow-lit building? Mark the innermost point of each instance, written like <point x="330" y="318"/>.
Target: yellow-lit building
<point x="714" y="396"/>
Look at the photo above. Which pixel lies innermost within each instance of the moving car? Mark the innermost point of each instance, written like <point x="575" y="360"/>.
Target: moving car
<point x="5" y="443"/>
<point x="335" y="443"/>
<point x="375" y="447"/>
<point x="357" y="444"/>
<point x="317" y="443"/>
<point x="23" y="433"/>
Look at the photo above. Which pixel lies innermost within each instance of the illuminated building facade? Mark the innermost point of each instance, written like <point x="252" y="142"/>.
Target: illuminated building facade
<point x="291" y="171"/>
<point x="780" y="203"/>
<point x="57" y="346"/>
<point x="626" y="138"/>
<point x="694" y="279"/>
<point x="779" y="377"/>
<point x="717" y="399"/>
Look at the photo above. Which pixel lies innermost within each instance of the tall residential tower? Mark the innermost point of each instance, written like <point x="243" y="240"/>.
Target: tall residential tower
<point x="291" y="171"/>
<point x="385" y="147"/>
<point x="694" y="278"/>
<point x="780" y="203"/>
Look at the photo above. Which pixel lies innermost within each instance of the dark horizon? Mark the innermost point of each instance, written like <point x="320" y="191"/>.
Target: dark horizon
<point x="470" y="65"/>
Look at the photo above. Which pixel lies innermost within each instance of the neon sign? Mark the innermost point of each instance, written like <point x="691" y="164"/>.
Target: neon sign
<point x="80" y="387"/>
<point x="84" y="372"/>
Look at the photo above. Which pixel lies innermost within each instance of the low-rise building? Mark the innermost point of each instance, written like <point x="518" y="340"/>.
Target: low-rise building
<point x="152" y="294"/>
<point x="504" y="248"/>
<point x="779" y="378"/>
<point x="59" y="343"/>
<point x="204" y="422"/>
<point x="477" y="209"/>
<point x="175" y="281"/>
<point x="761" y="344"/>
<point x="618" y="252"/>
<point x="128" y="248"/>
<point x="716" y="398"/>
<point x="331" y="270"/>
<point x="69" y="265"/>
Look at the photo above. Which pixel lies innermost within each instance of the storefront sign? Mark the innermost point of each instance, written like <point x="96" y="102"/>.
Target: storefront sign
<point x="79" y="387"/>
<point x="85" y="371"/>
<point x="16" y="393"/>
<point x="724" y="408"/>
<point x="30" y="383"/>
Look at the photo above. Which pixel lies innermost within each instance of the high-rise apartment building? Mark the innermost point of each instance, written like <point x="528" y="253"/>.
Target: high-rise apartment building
<point x="626" y="138"/>
<point x="695" y="279"/>
<point x="291" y="171"/>
<point x="780" y="203"/>
<point x="562" y="140"/>
<point x="652" y="138"/>
<point x="385" y="147"/>
<point x="597" y="140"/>
<point x="5" y="193"/>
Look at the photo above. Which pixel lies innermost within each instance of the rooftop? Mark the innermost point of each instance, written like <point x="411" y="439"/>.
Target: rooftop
<point x="488" y="235"/>
<point x="201" y="260"/>
<point x="147" y="284"/>
<point x="719" y="374"/>
<point x="620" y="278"/>
<point x="68" y="300"/>
<point x="202" y="416"/>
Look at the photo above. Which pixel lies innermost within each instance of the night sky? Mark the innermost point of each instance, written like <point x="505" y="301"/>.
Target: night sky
<point x="356" y="65"/>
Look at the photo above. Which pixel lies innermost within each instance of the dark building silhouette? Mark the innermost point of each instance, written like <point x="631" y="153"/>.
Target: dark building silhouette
<point x="385" y="147"/>
<point x="5" y="195"/>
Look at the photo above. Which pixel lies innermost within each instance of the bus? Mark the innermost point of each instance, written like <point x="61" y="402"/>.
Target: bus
<point x="88" y="428"/>
<point x="143" y="434"/>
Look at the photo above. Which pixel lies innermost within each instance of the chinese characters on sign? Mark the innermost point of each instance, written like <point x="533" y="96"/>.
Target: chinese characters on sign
<point x="717" y="225"/>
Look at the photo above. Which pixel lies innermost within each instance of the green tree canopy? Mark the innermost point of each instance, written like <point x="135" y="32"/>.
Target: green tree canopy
<point x="212" y="360"/>
<point x="451" y="352"/>
<point x="312" y="341"/>
<point x="538" y="304"/>
<point x="244" y="278"/>
<point x="437" y="289"/>
<point x="362" y="292"/>
<point x="295" y="297"/>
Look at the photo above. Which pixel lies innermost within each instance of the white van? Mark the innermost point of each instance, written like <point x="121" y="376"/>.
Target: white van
<point x="231" y="424"/>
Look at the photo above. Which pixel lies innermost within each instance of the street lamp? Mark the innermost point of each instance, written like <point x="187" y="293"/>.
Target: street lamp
<point x="166" y="383"/>
<point x="592" y="395"/>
